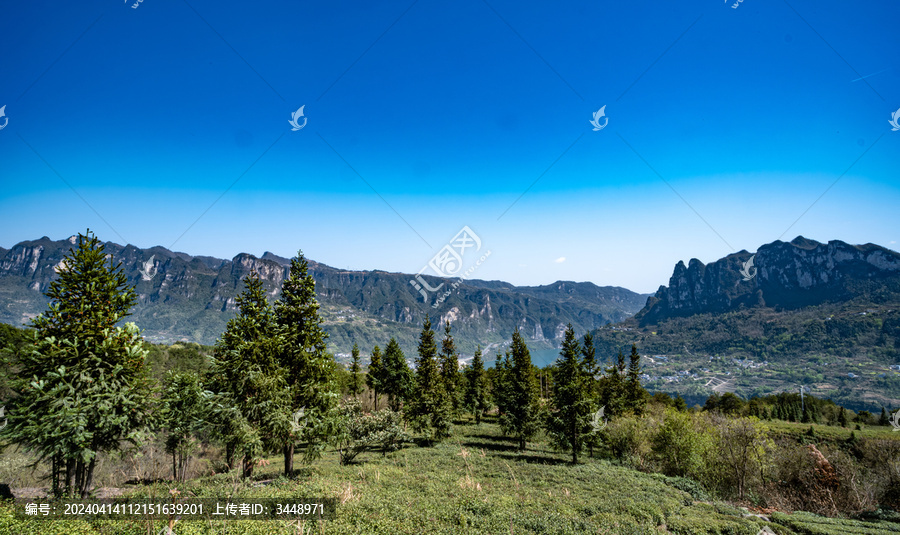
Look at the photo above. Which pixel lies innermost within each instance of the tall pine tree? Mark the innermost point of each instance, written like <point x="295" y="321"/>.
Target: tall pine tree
<point x="430" y="410"/>
<point x="450" y="369"/>
<point x="476" y="397"/>
<point x="635" y="395"/>
<point x="569" y="421"/>
<point x="522" y="415"/>
<point x="309" y="368"/>
<point x="82" y="384"/>
<point x="252" y="406"/>
<point x="396" y="377"/>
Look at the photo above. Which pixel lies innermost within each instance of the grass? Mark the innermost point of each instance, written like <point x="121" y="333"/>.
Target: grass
<point x="474" y="483"/>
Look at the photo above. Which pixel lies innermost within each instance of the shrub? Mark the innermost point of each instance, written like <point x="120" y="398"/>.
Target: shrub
<point x="359" y="432"/>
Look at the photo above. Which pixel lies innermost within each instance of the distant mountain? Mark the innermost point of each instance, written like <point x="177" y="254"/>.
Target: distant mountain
<point x="826" y="316"/>
<point x="183" y="297"/>
<point x="783" y="275"/>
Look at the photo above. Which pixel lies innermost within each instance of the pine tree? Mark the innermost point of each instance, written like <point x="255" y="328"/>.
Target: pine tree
<point x="884" y="420"/>
<point x="373" y="376"/>
<point x="476" y="399"/>
<point x="309" y="368"/>
<point x="635" y="395"/>
<point x="449" y="360"/>
<point x="612" y="387"/>
<point x="82" y="385"/>
<point x="184" y="416"/>
<point x="430" y="410"/>
<point x="355" y="379"/>
<point x="522" y="415"/>
<point x="396" y="377"/>
<point x="252" y="407"/>
<point x="569" y="421"/>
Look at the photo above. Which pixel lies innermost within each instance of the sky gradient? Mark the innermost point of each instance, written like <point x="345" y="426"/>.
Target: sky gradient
<point x="167" y="124"/>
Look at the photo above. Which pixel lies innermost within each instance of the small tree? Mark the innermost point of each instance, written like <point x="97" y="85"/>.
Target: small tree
<point x="373" y="375"/>
<point x="743" y="448"/>
<point x="359" y="432"/>
<point x="522" y="412"/>
<point x="430" y="410"/>
<point x="82" y="387"/>
<point x="842" y="418"/>
<point x="355" y="379"/>
<point x="635" y="395"/>
<point x="476" y="398"/>
<point x="449" y="360"/>
<point x="396" y="377"/>
<point x="611" y="388"/>
<point x="569" y="420"/>
<point x="184" y="412"/>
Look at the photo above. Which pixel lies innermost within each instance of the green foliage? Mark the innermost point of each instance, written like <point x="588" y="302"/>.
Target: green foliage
<point x="355" y="377"/>
<point x="611" y="388"/>
<point x="476" y="397"/>
<point x="518" y="398"/>
<point x="396" y="378"/>
<point x="82" y="384"/>
<point x="635" y="395"/>
<point x="308" y="369"/>
<point x="430" y="411"/>
<point x="373" y="375"/>
<point x="450" y="377"/>
<point x="359" y="432"/>
<point x="184" y="408"/>
<point x="568" y="421"/>
<point x="682" y="444"/>
<point x="245" y="374"/>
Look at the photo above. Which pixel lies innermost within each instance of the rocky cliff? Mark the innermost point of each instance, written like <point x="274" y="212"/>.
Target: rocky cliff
<point x="782" y="275"/>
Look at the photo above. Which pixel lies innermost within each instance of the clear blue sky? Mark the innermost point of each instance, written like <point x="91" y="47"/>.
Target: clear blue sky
<point x="167" y="124"/>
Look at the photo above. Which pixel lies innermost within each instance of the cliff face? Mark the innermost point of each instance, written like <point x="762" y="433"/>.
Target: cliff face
<point x="192" y="298"/>
<point x="790" y="275"/>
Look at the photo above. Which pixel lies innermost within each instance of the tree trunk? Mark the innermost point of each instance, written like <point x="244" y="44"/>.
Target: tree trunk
<point x="229" y="455"/>
<point x="88" y="477"/>
<point x="70" y="474"/>
<point x="248" y="467"/>
<point x="79" y="477"/>
<point x="174" y="468"/>
<point x="289" y="460"/>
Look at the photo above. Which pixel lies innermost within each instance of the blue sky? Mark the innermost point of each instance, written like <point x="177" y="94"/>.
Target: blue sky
<point x="167" y="124"/>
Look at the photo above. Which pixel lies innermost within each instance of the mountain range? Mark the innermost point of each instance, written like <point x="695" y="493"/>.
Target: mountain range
<point x="191" y="298"/>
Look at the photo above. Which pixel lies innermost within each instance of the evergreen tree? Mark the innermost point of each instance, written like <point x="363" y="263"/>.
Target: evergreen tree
<point x="522" y="415"/>
<point x="373" y="376"/>
<point x="82" y="385"/>
<point x="450" y="377"/>
<point x="500" y="392"/>
<point x="569" y="420"/>
<point x="355" y="379"/>
<point x="309" y="368"/>
<point x="184" y="416"/>
<point x="612" y="388"/>
<point x="396" y="377"/>
<point x="430" y="411"/>
<point x="884" y="420"/>
<point x="253" y="399"/>
<point x="680" y="404"/>
<point x="476" y="398"/>
<point x="635" y="395"/>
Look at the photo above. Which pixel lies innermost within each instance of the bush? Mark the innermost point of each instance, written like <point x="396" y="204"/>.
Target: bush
<point x="360" y="432"/>
<point x="681" y="444"/>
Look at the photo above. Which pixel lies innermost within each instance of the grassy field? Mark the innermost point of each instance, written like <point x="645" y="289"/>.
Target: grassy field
<point x="473" y="483"/>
